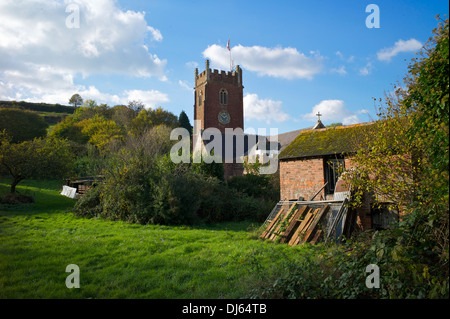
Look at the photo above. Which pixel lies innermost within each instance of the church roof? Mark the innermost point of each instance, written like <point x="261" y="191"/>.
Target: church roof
<point x="326" y="141"/>
<point x="284" y="139"/>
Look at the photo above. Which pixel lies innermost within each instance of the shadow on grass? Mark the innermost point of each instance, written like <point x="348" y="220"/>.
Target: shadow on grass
<point x="46" y="194"/>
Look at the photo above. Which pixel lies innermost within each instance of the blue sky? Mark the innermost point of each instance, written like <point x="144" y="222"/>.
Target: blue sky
<point x="298" y="57"/>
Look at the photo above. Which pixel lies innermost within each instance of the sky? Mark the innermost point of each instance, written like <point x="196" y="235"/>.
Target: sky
<point x="298" y="57"/>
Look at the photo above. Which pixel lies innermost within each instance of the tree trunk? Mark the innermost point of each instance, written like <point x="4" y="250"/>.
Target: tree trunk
<point x="13" y="185"/>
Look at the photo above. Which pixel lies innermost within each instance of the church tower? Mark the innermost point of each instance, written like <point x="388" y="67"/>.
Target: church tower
<point x="219" y="99"/>
<point x="219" y="103"/>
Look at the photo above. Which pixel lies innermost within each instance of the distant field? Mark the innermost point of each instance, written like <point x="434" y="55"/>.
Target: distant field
<point x="121" y="260"/>
<point x="51" y="113"/>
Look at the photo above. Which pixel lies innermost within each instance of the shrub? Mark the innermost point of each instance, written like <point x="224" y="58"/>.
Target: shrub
<point x="128" y="194"/>
<point x="89" y="205"/>
<point x="177" y="197"/>
<point x="255" y="185"/>
<point x="162" y="192"/>
<point x="408" y="265"/>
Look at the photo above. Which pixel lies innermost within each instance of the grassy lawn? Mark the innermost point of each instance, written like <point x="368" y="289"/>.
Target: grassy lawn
<point x="122" y="260"/>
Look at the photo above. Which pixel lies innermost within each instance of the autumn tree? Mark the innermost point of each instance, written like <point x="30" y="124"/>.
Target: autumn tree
<point x="428" y="101"/>
<point x="101" y="131"/>
<point x="407" y="156"/>
<point x="147" y="119"/>
<point x="123" y="115"/>
<point x="70" y="129"/>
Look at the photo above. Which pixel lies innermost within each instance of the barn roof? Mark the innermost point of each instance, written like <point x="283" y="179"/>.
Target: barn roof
<point x="326" y="141"/>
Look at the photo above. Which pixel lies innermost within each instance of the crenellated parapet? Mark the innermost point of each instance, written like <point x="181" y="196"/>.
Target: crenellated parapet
<point x="231" y="77"/>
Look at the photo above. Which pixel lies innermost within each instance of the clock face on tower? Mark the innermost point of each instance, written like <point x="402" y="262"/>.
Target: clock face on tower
<point x="224" y="117"/>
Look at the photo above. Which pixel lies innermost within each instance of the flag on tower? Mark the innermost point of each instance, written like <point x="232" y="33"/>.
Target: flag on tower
<point x="229" y="49"/>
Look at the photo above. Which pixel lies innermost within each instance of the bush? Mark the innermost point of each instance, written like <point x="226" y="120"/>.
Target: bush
<point x="128" y="194"/>
<point x="178" y="197"/>
<point x="409" y="268"/>
<point x="253" y="185"/>
<point x="89" y="205"/>
<point x="162" y="192"/>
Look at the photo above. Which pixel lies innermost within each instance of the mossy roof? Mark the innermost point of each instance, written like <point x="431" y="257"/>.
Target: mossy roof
<point x="327" y="141"/>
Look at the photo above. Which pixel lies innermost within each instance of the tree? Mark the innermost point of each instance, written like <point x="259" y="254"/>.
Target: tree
<point x="183" y="119"/>
<point x="69" y="129"/>
<point x="123" y="115"/>
<point x="39" y="158"/>
<point x="90" y="109"/>
<point x="136" y="105"/>
<point x="428" y="100"/>
<point x="407" y="157"/>
<point x="76" y="100"/>
<point x="159" y="116"/>
<point x="22" y="125"/>
<point x="101" y="131"/>
<point x="147" y="119"/>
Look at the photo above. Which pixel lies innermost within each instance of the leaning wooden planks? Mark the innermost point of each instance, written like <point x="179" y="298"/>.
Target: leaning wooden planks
<point x="282" y="223"/>
<point x="267" y="231"/>
<point x="296" y="237"/>
<point x="311" y="229"/>
<point x="277" y="225"/>
<point x="293" y="224"/>
<point x="296" y="226"/>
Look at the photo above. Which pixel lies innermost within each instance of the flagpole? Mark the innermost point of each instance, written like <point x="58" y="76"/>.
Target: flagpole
<point x="229" y="49"/>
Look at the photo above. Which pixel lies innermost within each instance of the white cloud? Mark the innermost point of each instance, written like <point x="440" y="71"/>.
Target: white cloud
<point x="185" y="85"/>
<point x="263" y="109"/>
<point x="191" y="64"/>
<point x="156" y="34"/>
<point x="366" y="70"/>
<point x="332" y="111"/>
<point x="341" y="56"/>
<point x="151" y="98"/>
<point x="341" y="70"/>
<point x="410" y="45"/>
<point x="277" y="62"/>
<point x="40" y="56"/>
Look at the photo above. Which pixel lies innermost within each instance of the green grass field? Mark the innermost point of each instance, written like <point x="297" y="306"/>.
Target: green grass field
<point x="122" y="260"/>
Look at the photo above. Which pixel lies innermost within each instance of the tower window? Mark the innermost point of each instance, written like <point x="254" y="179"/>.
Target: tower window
<point x="200" y="98"/>
<point x="223" y="96"/>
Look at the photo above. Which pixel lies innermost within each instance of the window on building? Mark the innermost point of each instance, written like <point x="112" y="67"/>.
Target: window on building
<point x="223" y="95"/>
<point x="200" y="98"/>
<point x="333" y="169"/>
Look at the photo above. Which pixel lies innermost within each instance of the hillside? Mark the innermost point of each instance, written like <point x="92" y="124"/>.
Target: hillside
<point x="52" y="113"/>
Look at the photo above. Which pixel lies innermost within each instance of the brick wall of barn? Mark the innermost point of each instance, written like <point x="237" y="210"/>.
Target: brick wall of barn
<point x="304" y="178"/>
<point x="301" y="177"/>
